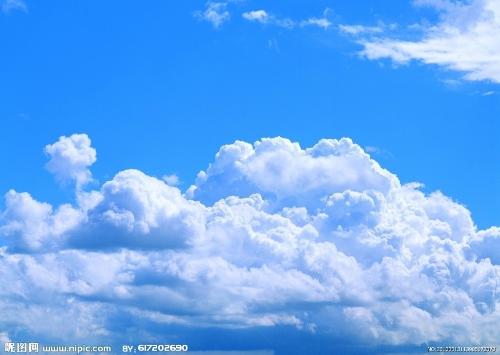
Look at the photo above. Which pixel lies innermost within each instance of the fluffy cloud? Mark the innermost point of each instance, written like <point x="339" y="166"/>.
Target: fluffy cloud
<point x="172" y="180"/>
<point x="321" y="239"/>
<point x="257" y="15"/>
<point x="27" y="224"/>
<point x="486" y="244"/>
<point x="136" y="209"/>
<point x="287" y="175"/>
<point x="70" y="158"/>
<point x="465" y="40"/>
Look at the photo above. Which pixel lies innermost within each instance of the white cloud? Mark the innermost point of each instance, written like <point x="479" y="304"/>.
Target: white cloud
<point x="172" y="180"/>
<point x="215" y="12"/>
<point x="29" y="224"/>
<point x="465" y="40"/>
<point x="286" y="174"/>
<point x="8" y="6"/>
<point x="264" y="17"/>
<point x="321" y="239"/>
<point x="140" y="210"/>
<point x="70" y="158"/>
<point x="359" y="29"/>
<point x="323" y="22"/>
<point x="257" y="15"/>
<point x="486" y="244"/>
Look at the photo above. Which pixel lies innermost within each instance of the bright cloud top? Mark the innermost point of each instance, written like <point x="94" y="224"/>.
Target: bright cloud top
<point x="465" y="40"/>
<point x="70" y="158"/>
<point x="322" y="239"/>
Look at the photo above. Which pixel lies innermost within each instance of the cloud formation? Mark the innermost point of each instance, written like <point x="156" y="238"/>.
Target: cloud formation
<point x="70" y="159"/>
<point x="257" y="15"/>
<point x="264" y="17"/>
<point x="464" y="40"/>
<point x="321" y="239"/>
<point x="359" y="29"/>
<point x="215" y="12"/>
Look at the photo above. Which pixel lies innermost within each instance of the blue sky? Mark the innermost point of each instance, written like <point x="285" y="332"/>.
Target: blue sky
<point x="159" y="90"/>
<point x="160" y="86"/>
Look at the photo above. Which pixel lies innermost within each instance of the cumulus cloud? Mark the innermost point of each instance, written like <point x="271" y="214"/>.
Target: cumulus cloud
<point x="320" y="239"/>
<point x="285" y="174"/>
<point x="464" y="40"/>
<point x="70" y="158"/>
<point x="27" y="224"/>
<point x="172" y="180"/>
<point x="215" y="12"/>
<point x="136" y="209"/>
<point x="485" y="243"/>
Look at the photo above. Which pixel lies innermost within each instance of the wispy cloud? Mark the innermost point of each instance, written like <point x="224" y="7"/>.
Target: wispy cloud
<point x="8" y="6"/>
<point x="466" y="39"/>
<point x="264" y="17"/>
<point x="359" y="29"/>
<point x="378" y="152"/>
<point x="215" y="12"/>
<point x="322" y="22"/>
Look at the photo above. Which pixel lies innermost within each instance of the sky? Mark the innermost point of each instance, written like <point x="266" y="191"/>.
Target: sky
<point x="289" y="158"/>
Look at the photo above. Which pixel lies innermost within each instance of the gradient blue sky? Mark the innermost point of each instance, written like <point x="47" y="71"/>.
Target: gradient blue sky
<point x="159" y="86"/>
<point x="160" y="90"/>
